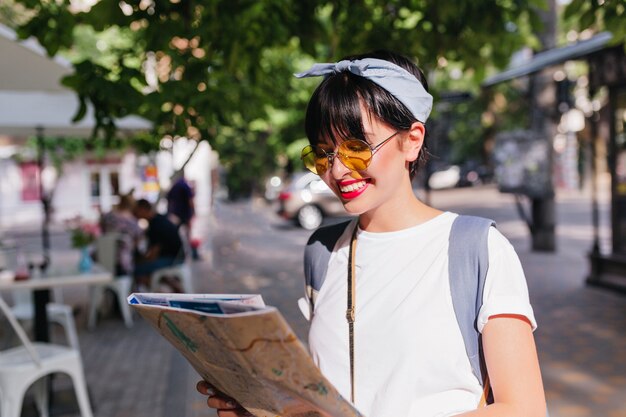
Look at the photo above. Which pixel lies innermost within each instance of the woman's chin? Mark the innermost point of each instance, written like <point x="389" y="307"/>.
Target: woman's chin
<point x="353" y="208"/>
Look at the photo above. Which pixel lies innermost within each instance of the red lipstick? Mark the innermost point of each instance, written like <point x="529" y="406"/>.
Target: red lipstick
<point x="353" y="192"/>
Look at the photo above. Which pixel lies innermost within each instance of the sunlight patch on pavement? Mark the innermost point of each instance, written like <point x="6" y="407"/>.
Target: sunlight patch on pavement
<point x="570" y="380"/>
<point x="255" y="282"/>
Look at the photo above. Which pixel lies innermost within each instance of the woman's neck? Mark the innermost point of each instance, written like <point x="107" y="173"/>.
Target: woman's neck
<point x="397" y="215"/>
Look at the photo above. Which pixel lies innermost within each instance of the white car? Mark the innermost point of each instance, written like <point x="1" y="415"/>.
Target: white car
<point x="307" y="200"/>
<point x="445" y="178"/>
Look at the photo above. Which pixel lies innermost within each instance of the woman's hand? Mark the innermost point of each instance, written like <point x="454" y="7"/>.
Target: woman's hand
<point x="225" y="406"/>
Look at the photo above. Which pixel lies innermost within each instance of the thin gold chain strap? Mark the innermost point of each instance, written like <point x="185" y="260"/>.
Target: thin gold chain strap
<point x="350" y="313"/>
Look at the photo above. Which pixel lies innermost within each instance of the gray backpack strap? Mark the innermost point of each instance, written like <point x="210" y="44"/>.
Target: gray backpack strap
<point x="467" y="265"/>
<point x="316" y="256"/>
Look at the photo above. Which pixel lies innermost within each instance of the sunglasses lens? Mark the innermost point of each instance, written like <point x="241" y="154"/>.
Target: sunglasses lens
<point x="314" y="160"/>
<point x="355" y="154"/>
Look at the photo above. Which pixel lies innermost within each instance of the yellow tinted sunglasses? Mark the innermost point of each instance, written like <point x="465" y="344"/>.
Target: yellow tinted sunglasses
<point x="354" y="154"/>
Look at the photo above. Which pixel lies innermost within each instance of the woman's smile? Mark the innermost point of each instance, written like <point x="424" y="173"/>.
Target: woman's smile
<point x="350" y="189"/>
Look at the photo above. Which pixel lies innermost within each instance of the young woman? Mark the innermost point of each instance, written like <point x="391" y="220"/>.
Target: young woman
<point x="365" y="124"/>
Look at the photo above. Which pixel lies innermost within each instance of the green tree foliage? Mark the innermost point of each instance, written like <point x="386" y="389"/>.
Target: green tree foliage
<point x="13" y="14"/>
<point x="222" y="69"/>
<point x="598" y="16"/>
<point x="474" y="34"/>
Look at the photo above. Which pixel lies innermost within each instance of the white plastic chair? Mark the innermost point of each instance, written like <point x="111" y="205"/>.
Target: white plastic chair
<point x="181" y="271"/>
<point x="62" y="314"/>
<point x="30" y="363"/>
<point x="106" y="252"/>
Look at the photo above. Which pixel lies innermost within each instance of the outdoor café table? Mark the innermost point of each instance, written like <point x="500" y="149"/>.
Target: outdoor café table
<point x="54" y="278"/>
<point x="41" y="286"/>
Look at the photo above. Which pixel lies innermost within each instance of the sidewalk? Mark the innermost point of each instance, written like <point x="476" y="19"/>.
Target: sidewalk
<point x="581" y="336"/>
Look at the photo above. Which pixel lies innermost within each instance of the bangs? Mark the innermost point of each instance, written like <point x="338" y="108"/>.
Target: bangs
<point x="334" y="111"/>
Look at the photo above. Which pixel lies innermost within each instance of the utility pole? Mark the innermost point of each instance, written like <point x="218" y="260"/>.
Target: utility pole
<point x="542" y="93"/>
<point x="45" y="200"/>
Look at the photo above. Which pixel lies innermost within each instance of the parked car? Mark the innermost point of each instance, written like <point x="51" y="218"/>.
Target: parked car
<point x="444" y="177"/>
<point x="467" y="174"/>
<point x="307" y="200"/>
<point x="474" y="173"/>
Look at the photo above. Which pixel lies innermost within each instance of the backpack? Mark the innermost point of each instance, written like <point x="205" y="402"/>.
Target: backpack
<point x="467" y="267"/>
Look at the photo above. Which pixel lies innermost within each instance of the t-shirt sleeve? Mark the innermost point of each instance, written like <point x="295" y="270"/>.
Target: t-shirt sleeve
<point x="506" y="290"/>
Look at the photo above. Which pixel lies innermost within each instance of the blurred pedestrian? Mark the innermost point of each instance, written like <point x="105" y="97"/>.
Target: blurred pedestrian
<point x="180" y="204"/>
<point x="164" y="246"/>
<point x="120" y="220"/>
<point x="399" y="350"/>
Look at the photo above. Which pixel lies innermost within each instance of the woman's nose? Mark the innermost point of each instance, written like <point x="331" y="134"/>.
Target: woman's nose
<point x="337" y="168"/>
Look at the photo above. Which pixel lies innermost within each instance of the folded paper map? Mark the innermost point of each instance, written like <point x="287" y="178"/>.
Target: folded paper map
<point x="246" y="350"/>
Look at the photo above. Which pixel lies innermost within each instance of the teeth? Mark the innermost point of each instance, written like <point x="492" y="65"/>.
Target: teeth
<point x="352" y="187"/>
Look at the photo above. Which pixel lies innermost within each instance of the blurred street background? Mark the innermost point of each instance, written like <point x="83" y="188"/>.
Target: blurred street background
<point x="581" y="336"/>
<point x="193" y="108"/>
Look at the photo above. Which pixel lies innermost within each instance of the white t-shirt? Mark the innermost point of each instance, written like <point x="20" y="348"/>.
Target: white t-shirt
<point x="410" y="358"/>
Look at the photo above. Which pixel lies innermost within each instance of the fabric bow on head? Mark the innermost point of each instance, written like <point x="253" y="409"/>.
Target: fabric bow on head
<point x="399" y="82"/>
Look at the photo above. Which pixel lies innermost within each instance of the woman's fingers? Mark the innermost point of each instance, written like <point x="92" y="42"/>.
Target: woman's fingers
<point x="222" y="403"/>
<point x="240" y="412"/>
<point x="205" y="388"/>
<point x="225" y="406"/>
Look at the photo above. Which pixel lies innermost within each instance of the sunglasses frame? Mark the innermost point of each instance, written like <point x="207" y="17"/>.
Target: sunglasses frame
<point x="331" y="155"/>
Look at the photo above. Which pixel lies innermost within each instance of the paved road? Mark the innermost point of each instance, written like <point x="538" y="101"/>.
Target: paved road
<point x="581" y="338"/>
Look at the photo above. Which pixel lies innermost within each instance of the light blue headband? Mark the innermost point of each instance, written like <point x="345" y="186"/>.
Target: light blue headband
<point x="399" y="82"/>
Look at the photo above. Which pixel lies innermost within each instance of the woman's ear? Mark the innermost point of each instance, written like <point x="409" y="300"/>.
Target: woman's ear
<point x="414" y="141"/>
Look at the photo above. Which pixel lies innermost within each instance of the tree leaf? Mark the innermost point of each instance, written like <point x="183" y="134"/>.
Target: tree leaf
<point x="82" y="109"/>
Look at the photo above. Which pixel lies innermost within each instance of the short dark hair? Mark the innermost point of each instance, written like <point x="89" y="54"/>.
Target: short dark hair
<point x="143" y="204"/>
<point x="334" y="108"/>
